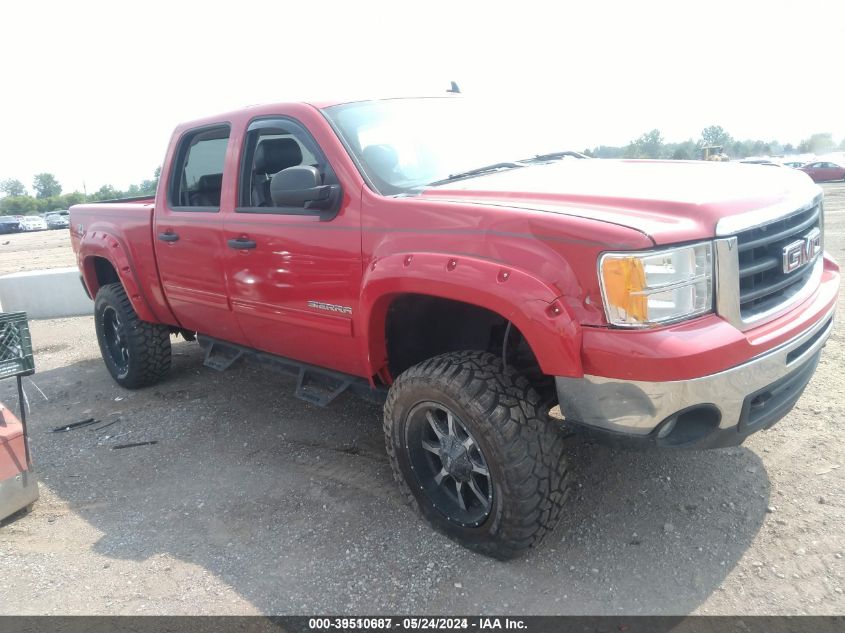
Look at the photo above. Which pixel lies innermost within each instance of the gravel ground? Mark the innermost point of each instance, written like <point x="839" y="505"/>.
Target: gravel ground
<point x="255" y="502"/>
<point x="37" y="250"/>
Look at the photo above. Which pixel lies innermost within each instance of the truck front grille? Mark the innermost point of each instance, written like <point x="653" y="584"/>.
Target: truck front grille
<point x="763" y="284"/>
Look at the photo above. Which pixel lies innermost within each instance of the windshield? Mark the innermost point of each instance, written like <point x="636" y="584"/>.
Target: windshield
<point x="404" y="145"/>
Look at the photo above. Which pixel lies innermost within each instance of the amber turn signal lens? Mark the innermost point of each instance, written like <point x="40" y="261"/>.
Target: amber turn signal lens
<point x="647" y="288"/>
<point x="623" y="278"/>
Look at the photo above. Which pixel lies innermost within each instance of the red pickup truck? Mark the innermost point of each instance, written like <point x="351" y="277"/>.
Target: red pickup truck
<point x="401" y="249"/>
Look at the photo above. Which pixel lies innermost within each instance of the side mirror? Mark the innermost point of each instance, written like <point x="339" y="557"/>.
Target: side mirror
<point x="301" y="186"/>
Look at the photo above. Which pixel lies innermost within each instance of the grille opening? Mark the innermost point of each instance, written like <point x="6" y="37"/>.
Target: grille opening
<point x="799" y="351"/>
<point x="768" y="405"/>
<point x="762" y="283"/>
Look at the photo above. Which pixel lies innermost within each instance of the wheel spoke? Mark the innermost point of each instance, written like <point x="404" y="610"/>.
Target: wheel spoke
<point x="431" y="448"/>
<point x="439" y="477"/>
<point x="459" y="488"/>
<point x="473" y="485"/>
<point x="115" y="338"/>
<point x="468" y="443"/>
<point x="432" y="422"/>
<point x="450" y="420"/>
<point x="481" y="470"/>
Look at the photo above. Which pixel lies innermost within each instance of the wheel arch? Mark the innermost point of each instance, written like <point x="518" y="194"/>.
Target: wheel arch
<point x="512" y="295"/>
<point x="106" y="262"/>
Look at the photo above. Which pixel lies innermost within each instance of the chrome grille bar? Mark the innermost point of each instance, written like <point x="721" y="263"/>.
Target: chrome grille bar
<point x="753" y="283"/>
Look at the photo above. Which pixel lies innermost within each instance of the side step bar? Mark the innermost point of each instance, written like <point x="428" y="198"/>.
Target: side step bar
<point x="220" y="356"/>
<point x="314" y="384"/>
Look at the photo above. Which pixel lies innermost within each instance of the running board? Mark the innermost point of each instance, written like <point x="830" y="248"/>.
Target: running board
<point x="315" y="385"/>
<point x="318" y="388"/>
<point x="221" y="356"/>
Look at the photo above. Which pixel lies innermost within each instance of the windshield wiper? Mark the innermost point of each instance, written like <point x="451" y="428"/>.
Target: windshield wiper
<point x="478" y="171"/>
<point x="540" y="158"/>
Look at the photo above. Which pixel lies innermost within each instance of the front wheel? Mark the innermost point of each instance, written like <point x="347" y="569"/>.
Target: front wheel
<point x="475" y="453"/>
<point x="136" y="353"/>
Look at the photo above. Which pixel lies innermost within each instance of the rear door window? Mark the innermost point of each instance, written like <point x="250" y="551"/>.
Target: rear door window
<point x="197" y="179"/>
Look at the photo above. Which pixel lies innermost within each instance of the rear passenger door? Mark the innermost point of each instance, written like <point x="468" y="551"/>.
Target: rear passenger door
<point x="293" y="271"/>
<point x="187" y="233"/>
<point x="829" y="172"/>
<point x="814" y="170"/>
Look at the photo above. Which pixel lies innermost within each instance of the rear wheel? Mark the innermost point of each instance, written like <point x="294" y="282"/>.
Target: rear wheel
<point x="474" y="451"/>
<point x="136" y="353"/>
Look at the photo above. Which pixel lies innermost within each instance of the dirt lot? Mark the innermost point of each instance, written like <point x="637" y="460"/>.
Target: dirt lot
<point x="35" y="251"/>
<point x="255" y="502"/>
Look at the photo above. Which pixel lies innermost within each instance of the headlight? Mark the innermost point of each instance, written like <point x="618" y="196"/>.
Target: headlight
<point x="649" y="288"/>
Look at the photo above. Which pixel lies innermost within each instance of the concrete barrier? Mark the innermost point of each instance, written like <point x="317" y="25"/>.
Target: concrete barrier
<point x="45" y="294"/>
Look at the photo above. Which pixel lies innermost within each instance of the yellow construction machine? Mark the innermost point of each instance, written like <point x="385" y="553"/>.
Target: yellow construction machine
<point x="714" y="153"/>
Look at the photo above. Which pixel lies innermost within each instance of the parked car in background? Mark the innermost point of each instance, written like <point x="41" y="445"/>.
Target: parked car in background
<point x="824" y="170"/>
<point x="33" y="223"/>
<point x="795" y="164"/>
<point x="9" y="224"/>
<point x="56" y="221"/>
<point x="759" y="161"/>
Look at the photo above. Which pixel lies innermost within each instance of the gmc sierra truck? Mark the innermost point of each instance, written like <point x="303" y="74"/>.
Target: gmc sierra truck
<point x="400" y="249"/>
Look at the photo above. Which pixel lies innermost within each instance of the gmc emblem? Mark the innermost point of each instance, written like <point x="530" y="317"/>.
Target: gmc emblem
<point x="802" y="251"/>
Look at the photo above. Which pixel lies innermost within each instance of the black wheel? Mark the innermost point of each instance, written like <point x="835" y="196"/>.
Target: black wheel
<point x="449" y="463"/>
<point x="474" y="451"/>
<point x="136" y="353"/>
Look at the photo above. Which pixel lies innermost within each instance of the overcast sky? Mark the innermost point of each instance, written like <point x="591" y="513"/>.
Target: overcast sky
<point x="91" y="91"/>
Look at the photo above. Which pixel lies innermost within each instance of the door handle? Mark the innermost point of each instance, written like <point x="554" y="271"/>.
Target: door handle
<point x="241" y="243"/>
<point x="168" y="236"/>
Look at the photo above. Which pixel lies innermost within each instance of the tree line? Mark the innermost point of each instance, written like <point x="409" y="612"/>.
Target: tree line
<point x="653" y="145"/>
<point x="49" y="197"/>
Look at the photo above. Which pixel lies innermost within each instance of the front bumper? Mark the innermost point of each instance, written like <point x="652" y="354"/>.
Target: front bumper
<point x="719" y="409"/>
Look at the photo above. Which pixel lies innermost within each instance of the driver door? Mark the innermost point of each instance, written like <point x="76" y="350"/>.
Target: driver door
<point x="293" y="273"/>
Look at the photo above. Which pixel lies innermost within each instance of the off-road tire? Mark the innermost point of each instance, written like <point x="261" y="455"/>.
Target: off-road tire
<point x="523" y="448"/>
<point x="148" y="344"/>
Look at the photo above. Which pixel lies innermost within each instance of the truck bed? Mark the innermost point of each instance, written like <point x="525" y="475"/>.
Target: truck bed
<point x="130" y="219"/>
<point x="121" y="225"/>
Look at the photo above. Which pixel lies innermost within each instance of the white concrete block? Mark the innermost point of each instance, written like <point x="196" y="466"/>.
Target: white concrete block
<point x="45" y="294"/>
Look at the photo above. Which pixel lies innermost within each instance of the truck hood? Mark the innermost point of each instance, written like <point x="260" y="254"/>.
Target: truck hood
<point x="669" y="201"/>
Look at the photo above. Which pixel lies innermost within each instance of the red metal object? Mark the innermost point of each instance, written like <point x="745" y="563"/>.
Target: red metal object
<point x="13" y="458"/>
<point x="523" y="244"/>
<point x="18" y="487"/>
